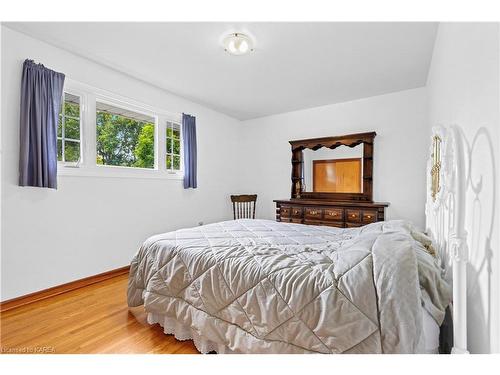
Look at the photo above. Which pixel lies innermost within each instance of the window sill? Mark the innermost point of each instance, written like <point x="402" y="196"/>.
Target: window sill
<point x="116" y="172"/>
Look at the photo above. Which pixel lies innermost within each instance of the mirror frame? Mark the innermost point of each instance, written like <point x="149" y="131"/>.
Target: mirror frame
<point x="350" y="140"/>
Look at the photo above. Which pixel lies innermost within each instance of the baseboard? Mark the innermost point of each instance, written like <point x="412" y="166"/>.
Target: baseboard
<point x="59" y="289"/>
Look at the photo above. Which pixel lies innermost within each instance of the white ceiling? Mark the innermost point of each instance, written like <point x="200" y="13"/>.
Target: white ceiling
<point x="294" y="65"/>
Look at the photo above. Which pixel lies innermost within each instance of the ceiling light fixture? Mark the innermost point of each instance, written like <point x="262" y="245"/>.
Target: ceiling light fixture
<point x="238" y="44"/>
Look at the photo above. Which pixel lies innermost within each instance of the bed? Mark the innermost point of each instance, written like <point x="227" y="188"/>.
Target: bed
<point x="259" y="286"/>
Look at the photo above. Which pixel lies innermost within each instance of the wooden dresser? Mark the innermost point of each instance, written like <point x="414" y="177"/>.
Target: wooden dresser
<point x="332" y="204"/>
<point x="332" y="213"/>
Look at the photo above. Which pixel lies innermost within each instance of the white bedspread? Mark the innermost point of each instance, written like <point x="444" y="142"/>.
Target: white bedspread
<point x="259" y="286"/>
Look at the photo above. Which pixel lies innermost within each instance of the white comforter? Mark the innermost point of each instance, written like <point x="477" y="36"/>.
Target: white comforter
<point x="261" y="286"/>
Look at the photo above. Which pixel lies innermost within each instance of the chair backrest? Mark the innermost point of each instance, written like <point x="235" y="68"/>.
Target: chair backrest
<point x="244" y="206"/>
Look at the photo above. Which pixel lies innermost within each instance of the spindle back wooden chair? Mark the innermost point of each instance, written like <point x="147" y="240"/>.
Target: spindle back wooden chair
<point x="244" y="206"/>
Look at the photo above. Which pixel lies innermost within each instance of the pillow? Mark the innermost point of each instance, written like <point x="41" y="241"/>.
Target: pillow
<point x="424" y="240"/>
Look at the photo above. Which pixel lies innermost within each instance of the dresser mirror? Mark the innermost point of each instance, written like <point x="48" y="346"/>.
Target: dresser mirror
<point x="338" y="170"/>
<point x="334" y="168"/>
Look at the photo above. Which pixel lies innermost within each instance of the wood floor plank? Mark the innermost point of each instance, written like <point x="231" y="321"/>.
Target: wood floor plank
<point x="92" y="319"/>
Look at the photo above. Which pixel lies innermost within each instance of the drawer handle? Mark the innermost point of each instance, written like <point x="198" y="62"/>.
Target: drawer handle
<point x="353" y="215"/>
<point x="313" y="212"/>
<point x="296" y="211"/>
<point x="368" y="216"/>
<point x="332" y="213"/>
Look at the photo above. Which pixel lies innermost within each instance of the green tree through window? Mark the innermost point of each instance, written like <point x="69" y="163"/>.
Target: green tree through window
<point x="68" y="130"/>
<point x="123" y="140"/>
<point x="173" y="143"/>
<point x="144" y="151"/>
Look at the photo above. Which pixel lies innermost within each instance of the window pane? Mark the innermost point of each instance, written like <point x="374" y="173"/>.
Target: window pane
<point x="71" y="105"/>
<point x="59" y="126"/>
<point x="177" y="162"/>
<point x="169" y="145"/>
<point x="169" y="129"/>
<point x="59" y="150"/>
<point x="177" y="147"/>
<point x="124" y="138"/>
<point x="71" y="128"/>
<point x="169" y="161"/>
<point x="177" y="133"/>
<point x="71" y="151"/>
<point x="68" y="126"/>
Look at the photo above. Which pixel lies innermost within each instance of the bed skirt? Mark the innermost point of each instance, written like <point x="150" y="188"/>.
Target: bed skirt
<point x="183" y="332"/>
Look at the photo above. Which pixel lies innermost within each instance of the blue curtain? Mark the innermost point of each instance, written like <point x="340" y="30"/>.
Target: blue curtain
<point x="41" y="92"/>
<point x="189" y="143"/>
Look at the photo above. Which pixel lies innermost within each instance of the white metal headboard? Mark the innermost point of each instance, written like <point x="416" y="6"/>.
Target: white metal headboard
<point x="445" y="217"/>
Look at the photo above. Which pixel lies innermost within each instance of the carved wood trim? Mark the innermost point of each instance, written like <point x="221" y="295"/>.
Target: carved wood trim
<point x="350" y="140"/>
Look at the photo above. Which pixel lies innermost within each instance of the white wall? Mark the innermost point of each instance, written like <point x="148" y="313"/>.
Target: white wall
<point x="400" y="120"/>
<point x="92" y="225"/>
<point x="463" y="90"/>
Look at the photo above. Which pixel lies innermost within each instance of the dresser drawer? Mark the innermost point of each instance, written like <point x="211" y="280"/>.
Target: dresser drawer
<point x="285" y="211"/>
<point x="296" y="212"/>
<point x="369" y="217"/>
<point x="312" y="213"/>
<point x="353" y="216"/>
<point x="340" y="214"/>
<point x="353" y="225"/>
<point x="334" y="224"/>
<point x="335" y="214"/>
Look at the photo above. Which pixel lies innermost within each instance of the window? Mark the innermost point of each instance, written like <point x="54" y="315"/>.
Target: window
<point x="173" y="146"/>
<point x="68" y="130"/>
<point x="124" y="138"/>
<point x="103" y="134"/>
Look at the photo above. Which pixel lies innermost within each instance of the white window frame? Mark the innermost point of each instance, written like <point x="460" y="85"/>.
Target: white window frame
<point x="88" y="166"/>
<point x="181" y="141"/>
<point x="115" y="103"/>
<point x="73" y="164"/>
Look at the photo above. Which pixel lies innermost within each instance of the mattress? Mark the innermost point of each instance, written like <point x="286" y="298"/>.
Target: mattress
<point x="258" y="286"/>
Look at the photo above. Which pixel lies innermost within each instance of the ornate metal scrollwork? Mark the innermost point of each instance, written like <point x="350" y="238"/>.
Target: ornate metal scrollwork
<point x="459" y="250"/>
<point x="436" y="167"/>
<point x="445" y="216"/>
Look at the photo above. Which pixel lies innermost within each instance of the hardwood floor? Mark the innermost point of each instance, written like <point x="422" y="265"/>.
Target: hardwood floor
<point x="92" y="319"/>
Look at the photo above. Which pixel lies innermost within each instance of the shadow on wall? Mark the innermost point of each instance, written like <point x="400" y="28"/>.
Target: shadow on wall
<point x="480" y="208"/>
